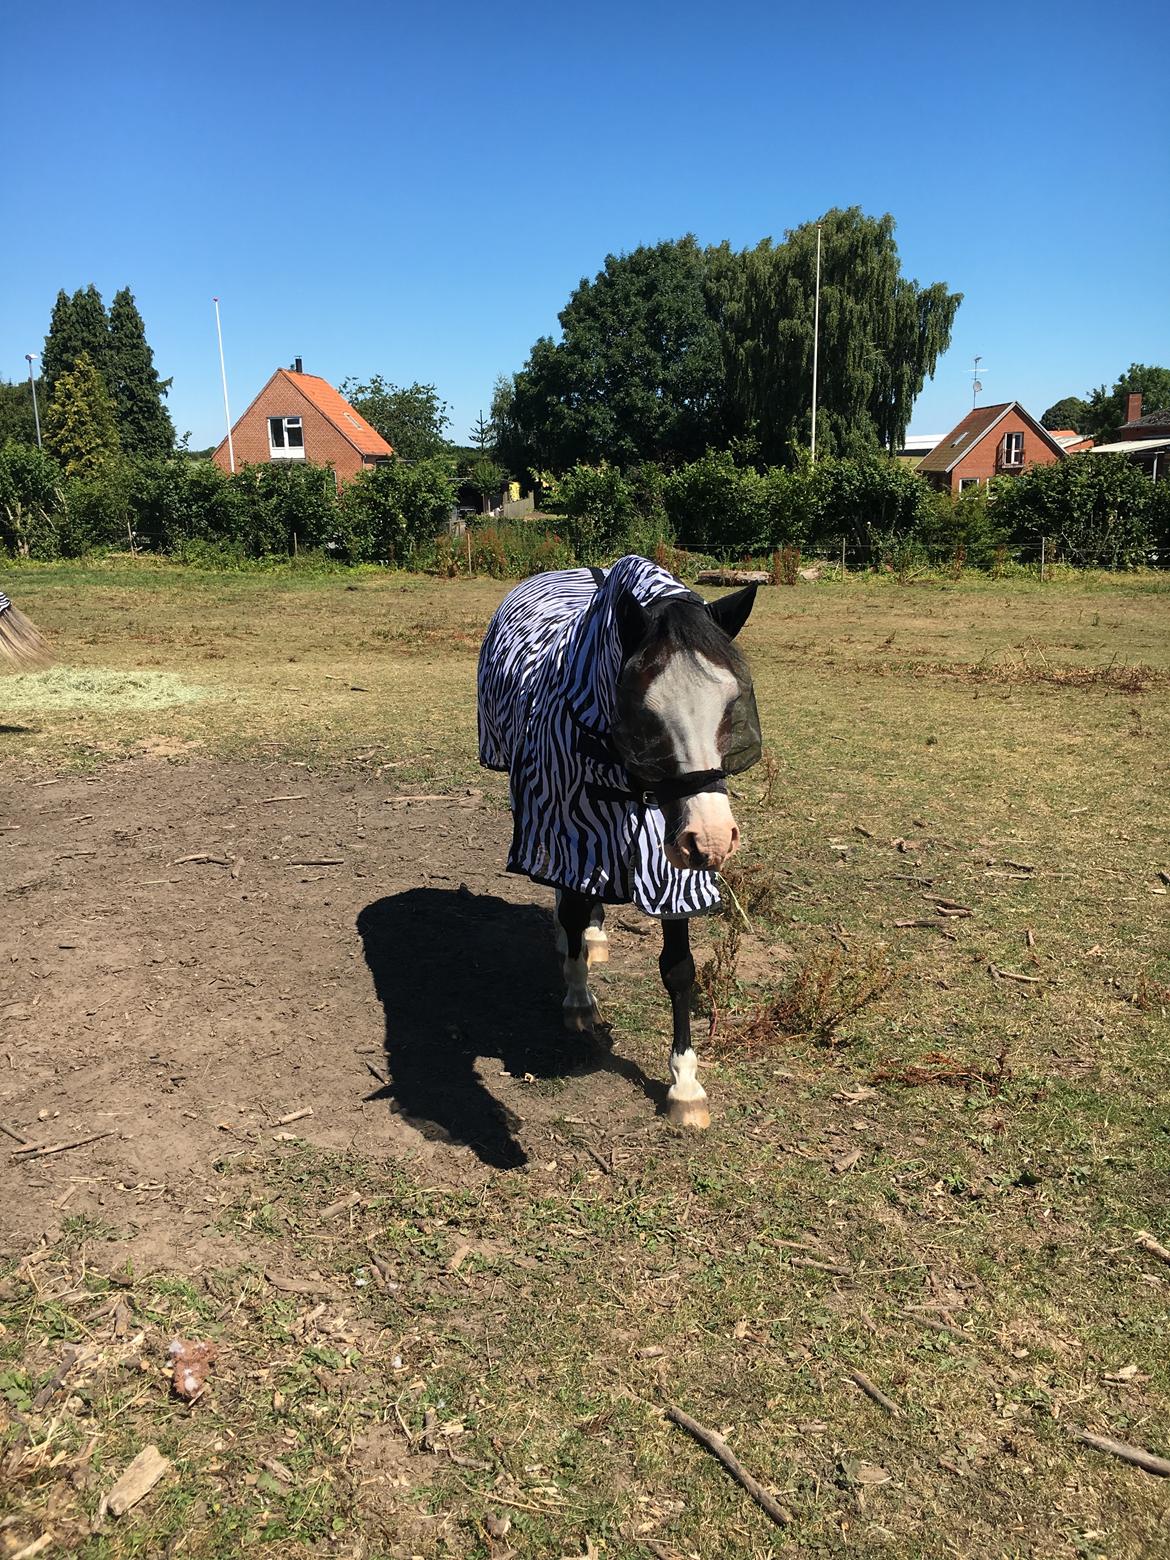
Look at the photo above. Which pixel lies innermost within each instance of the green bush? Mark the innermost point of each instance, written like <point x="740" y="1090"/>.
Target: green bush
<point x="282" y="506"/>
<point x="388" y="512"/>
<point x="600" y="509"/>
<point x="1098" y="510"/>
<point x="717" y="506"/>
<point x="31" y="492"/>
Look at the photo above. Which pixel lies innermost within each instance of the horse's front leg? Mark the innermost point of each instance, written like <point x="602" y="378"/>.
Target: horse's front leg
<point x="686" y="1101"/>
<point x="574" y="913"/>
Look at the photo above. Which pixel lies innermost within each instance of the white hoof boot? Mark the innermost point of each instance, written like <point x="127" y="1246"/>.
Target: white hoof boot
<point x="686" y="1100"/>
<point x="691" y="1114"/>
<point x="596" y="945"/>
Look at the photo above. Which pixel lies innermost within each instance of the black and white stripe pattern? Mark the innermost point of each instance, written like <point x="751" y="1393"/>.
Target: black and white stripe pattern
<point x="548" y="672"/>
<point x="4" y="602"/>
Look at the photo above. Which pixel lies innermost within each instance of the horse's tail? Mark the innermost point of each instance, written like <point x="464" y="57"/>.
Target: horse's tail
<point x="22" y="645"/>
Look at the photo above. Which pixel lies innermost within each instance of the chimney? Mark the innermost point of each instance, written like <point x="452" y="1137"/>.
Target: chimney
<point x="1133" y="407"/>
<point x="297" y="369"/>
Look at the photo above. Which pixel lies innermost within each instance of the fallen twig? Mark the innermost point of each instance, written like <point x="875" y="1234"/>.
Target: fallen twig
<point x="41" y="1150"/>
<point x="720" y="1450"/>
<point x="202" y="856"/>
<point x="860" y="1379"/>
<point x="294" y="1115"/>
<point x="1147" y="1242"/>
<point x="1001" y="974"/>
<point x="267" y="801"/>
<point x="15" y="1136"/>
<point x="1130" y="1454"/>
<point x="934" y="1324"/>
<point x="325" y="861"/>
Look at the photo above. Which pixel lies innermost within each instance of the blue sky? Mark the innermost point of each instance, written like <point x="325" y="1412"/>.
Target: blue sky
<point x="415" y="190"/>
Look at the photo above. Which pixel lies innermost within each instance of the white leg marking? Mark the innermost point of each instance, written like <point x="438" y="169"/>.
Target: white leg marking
<point x="686" y="1098"/>
<point x="596" y="942"/>
<point x="580" y="1010"/>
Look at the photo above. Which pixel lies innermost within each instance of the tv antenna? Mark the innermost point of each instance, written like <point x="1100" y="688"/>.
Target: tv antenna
<point x="976" y="382"/>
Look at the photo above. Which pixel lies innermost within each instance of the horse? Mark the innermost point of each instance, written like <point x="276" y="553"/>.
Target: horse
<point x="618" y="705"/>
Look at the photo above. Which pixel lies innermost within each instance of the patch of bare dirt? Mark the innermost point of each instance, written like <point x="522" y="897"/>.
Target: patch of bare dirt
<point x="191" y="969"/>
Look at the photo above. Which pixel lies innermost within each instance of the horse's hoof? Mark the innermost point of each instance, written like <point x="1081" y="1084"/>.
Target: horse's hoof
<point x="580" y="1020"/>
<point x="692" y="1114"/>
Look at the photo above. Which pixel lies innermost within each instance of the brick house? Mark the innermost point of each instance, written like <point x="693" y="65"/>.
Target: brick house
<point x="299" y="416"/>
<point x="991" y="441"/>
<point x="1145" y="440"/>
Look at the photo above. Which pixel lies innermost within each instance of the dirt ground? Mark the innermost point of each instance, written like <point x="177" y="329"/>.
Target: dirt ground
<point x="186" y="961"/>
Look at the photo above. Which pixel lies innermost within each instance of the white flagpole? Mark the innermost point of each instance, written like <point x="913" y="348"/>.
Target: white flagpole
<point x="816" y="346"/>
<point x="223" y="375"/>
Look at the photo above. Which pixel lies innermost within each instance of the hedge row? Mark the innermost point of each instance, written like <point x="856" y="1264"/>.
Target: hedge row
<point x="1093" y="510"/>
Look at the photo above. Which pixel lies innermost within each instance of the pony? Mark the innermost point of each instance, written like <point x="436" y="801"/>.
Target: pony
<point x="618" y="704"/>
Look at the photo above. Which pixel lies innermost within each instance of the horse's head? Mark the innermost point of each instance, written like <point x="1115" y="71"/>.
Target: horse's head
<point x="686" y="717"/>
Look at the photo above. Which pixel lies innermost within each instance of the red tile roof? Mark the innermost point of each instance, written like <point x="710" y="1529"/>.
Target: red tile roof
<point x="966" y="435"/>
<point x="332" y="404"/>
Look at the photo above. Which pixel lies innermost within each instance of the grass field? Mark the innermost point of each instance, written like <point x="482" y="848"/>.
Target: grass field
<point x="963" y="811"/>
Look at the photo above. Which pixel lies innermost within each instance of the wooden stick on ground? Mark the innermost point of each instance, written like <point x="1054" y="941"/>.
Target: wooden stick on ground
<point x="15" y="1136"/>
<point x="40" y="1150"/>
<point x="1147" y="1242"/>
<point x="860" y="1379"/>
<point x="720" y="1450"/>
<point x="1130" y="1454"/>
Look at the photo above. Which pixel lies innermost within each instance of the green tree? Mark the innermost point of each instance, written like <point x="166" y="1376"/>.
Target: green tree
<point x="483" y="435"/>
<point x="487" y="478"/>
<point x="1071" y="412"/>
<point x="16" y="410"/>
<point x="637" y="374"/>
<point x="30" y="493"/>
<point x="412" y="418"/>
<point x="78" y="324"/>
<point x="144" y="424"/>
<point x="80" y="430"/>
<point x="880" y="336"/>
<point x="1107" y="408"/>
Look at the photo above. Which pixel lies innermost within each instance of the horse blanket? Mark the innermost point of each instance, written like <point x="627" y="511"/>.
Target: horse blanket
<point x="548" y="675"/>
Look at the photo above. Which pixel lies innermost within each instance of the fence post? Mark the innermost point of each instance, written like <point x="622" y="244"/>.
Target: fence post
<point x="1043" y="542"/>
<point x="842" y="557"/>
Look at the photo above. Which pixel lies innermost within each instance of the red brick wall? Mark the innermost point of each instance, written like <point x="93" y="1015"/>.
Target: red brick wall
<point x="983" y="461"/>
<point x="281" y="398"/>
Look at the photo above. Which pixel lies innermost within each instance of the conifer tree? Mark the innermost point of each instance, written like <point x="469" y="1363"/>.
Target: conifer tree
<point x="57" y="358"/>
<point x="144" y="424"/>
<point x="78" y="324"/>
<point x="80" y="429"/>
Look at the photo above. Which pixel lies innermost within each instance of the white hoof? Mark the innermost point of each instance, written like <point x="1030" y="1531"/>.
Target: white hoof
<point x="691" y="1114"/>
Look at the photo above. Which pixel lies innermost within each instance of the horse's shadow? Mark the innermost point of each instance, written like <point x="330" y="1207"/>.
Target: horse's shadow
<point x="462" y="976"/>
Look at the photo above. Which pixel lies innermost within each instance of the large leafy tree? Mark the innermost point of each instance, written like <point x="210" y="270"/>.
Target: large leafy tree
<point x="1070" y="412"/>
<point x="144" y="423"/>
<point x="638" y="371"/>
<point x="80" y="430"/>
<point x="1101" y="412"/>
<point x="880" y="337"/>
<point x="413" y="419"/>
<point x="674" y="349"/>
<point x="79" y="324"/>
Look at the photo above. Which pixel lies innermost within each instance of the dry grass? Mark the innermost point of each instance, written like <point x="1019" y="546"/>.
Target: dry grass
<point x="949" y="1203"/>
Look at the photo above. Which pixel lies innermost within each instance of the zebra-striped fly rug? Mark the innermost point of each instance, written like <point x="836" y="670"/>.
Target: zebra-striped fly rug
<point x="548" y="676"/>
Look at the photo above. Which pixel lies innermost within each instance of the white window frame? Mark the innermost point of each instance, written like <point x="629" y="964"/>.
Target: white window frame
<point x="966" y="482"/>
<point x="1013" y="449"/>
<point x="286" y="450"/>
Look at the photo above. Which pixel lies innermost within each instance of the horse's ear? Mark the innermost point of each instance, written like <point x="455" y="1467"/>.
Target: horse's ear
<point x="732" y="612"/>
<point x="633" y="623"/>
